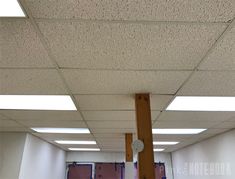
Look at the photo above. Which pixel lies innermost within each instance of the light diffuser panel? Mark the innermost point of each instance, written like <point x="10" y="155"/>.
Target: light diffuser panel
<point x="10" y="8"/>
<point x="37" y="102"/>
<point x="62" y="130"/>
<point x="164" y="143"/>
<point x="202" y="103"/>
<point x="84" y="149"/>
<point x="158" y="150"/>
<point x="75" y="142"/>
<point x="177" y="131"/>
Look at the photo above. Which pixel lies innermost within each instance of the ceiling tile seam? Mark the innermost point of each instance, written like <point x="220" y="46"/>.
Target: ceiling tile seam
<point x="156" y="118"/>
<point x="121" y="120"/>
<point x="128" y="70"/>
<point x="198" y="140"/>
<point x="47" y="141"/>
<point x="50" y="120"/>
<point x="119" y="94"/>
<point x="144" y="22"/>
<point x="13" y="18"/>
<point x="216" y="70"/>
<point x="217" y="41"/>
<point x="28" y="68"/>
<point x="224" y="121"/>
<point x="46" y="46"/>
<point x="11" y="119"/>
<point x="115" y="110"/>
<point x="193" y="136"/>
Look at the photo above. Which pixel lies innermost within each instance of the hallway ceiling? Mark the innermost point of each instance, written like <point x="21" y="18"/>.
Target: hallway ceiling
<point x="103" y="52"/>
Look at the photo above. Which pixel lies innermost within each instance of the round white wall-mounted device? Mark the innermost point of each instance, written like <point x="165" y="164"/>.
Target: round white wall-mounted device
<point x="138" y="146"/>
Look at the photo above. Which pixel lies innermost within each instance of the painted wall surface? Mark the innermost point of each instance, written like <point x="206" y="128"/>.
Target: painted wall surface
<point x="86" y="157"/>
<point x="11" y="153"/>
<point x="211" y="159"/>
<point x="42" y="160"/>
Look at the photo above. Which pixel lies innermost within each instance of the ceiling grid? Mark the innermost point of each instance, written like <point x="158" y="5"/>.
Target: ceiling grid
<point x="103" y="52"/>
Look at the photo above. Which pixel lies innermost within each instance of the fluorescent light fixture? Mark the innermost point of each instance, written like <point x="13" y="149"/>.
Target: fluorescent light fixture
<point x="158" y="150"/>
<point x="84" y="149"/>
<point x="199" y="103"/>
<point x="177" y="131"/>
<point x="37" y="102"/>
<point x="10" y="8"/>
<point x="62" y="130"/>
<point x="164" y="143"/>
<point x="75" y="142"/>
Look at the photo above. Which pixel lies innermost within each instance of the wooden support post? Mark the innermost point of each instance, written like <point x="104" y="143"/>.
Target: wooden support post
<point x="129" y="152"/>
<point x="144" y="133"/>
<point x="129" y="166"/>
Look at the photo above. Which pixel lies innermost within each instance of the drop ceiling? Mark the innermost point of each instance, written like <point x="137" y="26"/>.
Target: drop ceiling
<point x="103" y="52"/>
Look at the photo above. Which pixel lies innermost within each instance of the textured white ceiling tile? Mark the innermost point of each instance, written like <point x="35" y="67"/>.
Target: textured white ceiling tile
<point x="112" y="124"/>
<point x="15" y="81"/>
<point x="14" y="129"/>
<point x="161" y="10"/>
<point x="113" y="115"/>
<point x="184" y="124"/>
<point x="8" y="123"/>
<point x="210" y="83"/>
<point x="106" y="102"/>
<point x="2" y="116"/>
<point x="196" y="116"/>
<point x="113" y="145"/>
<point x="129" y="46"/>
<point x="214" y="131"/>
<point x="113" y="150"/>
<point x="53" y="123"/>
<point x="112" y="130"/>
<point x="181" y="145"/>
<point x="42" y="115"/>
<point x="222" y="56"/>
<point x="159" y="102"/>
<point x="118" y="102"/>
<point x="73" y="145"/>
<point x="109" y="135"/>
<point x="124" y="82"/>
<point x="167" y="137"/>
<point x="20" y="46"/>
<point x="108" y="141"/>
<point x="225" y="125"/>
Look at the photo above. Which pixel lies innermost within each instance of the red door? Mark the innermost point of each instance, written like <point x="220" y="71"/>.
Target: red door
<point x="80" y="171"/>
<point x="109" y="171"/>
<point x="159" y="170"/>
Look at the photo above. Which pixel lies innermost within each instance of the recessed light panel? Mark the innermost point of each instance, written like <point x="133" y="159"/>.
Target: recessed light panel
<point x="10" y="8"/>
<point x="158" y="150"/>
<point x="199" y="103"/>
<point x="164" y="143"/>
<point x="37" y="102"/>
<point x="75" y="142"/>
<point x="177" y="131"/>
<point x="84" y="149"/>
<point x="62" y="130"/>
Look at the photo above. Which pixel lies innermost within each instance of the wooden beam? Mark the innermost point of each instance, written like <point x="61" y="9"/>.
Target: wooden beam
<point x="144" y="133"/>
<point x="129" y="152"/>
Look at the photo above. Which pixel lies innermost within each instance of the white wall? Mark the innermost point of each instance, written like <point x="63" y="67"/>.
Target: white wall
<point x="11" y="152"/>
<point x="116" y="157"/>
<point x="42" y="160"/>
<point x="211" y="159"/>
